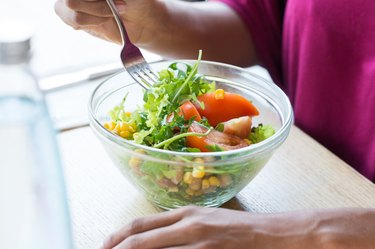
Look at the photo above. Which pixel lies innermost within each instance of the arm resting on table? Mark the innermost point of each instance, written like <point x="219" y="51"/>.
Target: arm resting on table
<point x="207" y="228"/>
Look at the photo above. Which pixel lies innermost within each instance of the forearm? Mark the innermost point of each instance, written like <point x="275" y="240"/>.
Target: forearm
<point x="327" y="229"/>
<point x="184" y="28"/>
<point x="347" y="228"/>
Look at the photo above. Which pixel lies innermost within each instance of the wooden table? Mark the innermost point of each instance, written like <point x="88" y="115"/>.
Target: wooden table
<point x="301" y="175"/>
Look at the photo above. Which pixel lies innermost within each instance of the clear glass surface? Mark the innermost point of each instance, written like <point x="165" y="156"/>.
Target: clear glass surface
<point x="33" y="209"/>
<point x="233" y="169"/>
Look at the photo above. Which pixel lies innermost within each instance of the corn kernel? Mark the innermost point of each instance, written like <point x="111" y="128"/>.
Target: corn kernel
<point x="198" y="160"/>
<point x="131" y="129"/>
<point x="118" y="127"/>
<point x="219" y="94"/>
<point x="198" y="172"/>
<point x="188" y="178"/>
<point x="140" y="151"/>
<point x="110" y="125"/>
<point x="214" y="181"/>
<point x="124" y="134"/>
<point x="134" y="162"/>
<point x="205" y="184"/>
<point x="106" y="125"/>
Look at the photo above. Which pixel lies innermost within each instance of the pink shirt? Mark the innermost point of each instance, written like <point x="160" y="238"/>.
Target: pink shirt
<point x="322" y="53"/>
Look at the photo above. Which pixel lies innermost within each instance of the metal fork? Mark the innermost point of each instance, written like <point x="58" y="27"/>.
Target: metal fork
<point x="131" y="57"/>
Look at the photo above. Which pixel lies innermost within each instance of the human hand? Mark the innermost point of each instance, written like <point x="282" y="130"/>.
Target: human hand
<point x="188" y="227"/>
<point x="95" y="17"/>
<point x="170" y="28"/>
<point x="197" y="227"/>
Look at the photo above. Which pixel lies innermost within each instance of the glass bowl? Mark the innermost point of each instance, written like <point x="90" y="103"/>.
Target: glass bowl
<point x="166" y="177"/>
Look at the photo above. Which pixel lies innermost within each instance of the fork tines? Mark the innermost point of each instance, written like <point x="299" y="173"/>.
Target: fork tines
<point x="143" y="75"/>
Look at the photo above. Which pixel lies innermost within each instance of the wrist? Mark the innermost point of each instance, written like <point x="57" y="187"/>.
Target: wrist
<point x="293" y="230"/>
<point x="344" y="228"/>
<point x="156" y="26"/>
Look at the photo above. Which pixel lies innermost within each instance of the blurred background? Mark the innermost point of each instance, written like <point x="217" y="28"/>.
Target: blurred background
<point x="57" y="47"/>
<point x="64" y="56"/>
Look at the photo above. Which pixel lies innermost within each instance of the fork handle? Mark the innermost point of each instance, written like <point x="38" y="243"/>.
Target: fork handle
<point x="120" y="24"/>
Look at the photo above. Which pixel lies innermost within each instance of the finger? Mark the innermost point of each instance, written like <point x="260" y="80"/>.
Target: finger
<point x="169" y="236"/>
<point x="95" y="8"/>
<point x="144" y="224"/>
<point x="77" y="19"/>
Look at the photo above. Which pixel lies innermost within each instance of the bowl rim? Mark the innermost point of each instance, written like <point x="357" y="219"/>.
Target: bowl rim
<point x="276" y="139"/>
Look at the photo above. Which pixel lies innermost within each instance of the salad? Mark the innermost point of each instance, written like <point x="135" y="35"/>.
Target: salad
<point x="185" y="112"/>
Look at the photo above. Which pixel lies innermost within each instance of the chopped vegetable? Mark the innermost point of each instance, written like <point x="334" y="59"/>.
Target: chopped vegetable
<point x="218" y="110"/>
<point x="260" y="133"/>
<point x="239" y="127"/>
<point x="215" y="139"/>
<point x="179" y="113"/>
<point x="189" y="111"/>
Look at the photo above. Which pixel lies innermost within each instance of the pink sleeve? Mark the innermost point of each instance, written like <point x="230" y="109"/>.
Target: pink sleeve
<point x="263" y="19"/>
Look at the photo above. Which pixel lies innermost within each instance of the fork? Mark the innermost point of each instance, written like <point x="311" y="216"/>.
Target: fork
<point x="131" y="57"/>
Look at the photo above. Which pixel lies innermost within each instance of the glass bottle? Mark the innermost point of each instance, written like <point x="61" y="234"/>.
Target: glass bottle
<point x="33" y="205"/>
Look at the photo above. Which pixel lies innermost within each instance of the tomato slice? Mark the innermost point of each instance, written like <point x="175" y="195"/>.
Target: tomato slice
<point x="224" y="141"/>
<point x="218" y="110"/>
<point x="189" y="111"/>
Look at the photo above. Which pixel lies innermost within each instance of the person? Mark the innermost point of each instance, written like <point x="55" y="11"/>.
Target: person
<point x="320" y="52"/>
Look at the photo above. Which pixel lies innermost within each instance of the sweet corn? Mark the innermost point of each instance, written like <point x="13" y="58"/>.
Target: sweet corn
<point x="198" y="160"/>
<point x="214" y="181"/>
<point x="205" y="184"/>
<point x="124" y="134"/>
<point x="131" y="129"/>
<point x="140" y="151"/>
<point x="188" y="178"/>
<point x="134" y="162"/>
<point x="219" y="94"/>
<point x="120" y="128"/>
<point x="110" y="125"/>
<point x="198" y="172"/>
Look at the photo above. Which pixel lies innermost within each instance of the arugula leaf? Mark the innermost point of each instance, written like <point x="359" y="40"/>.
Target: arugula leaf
<point x="158" y="119"/>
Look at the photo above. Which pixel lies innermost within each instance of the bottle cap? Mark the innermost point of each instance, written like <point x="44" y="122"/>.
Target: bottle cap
<point x="15" y="42"/>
